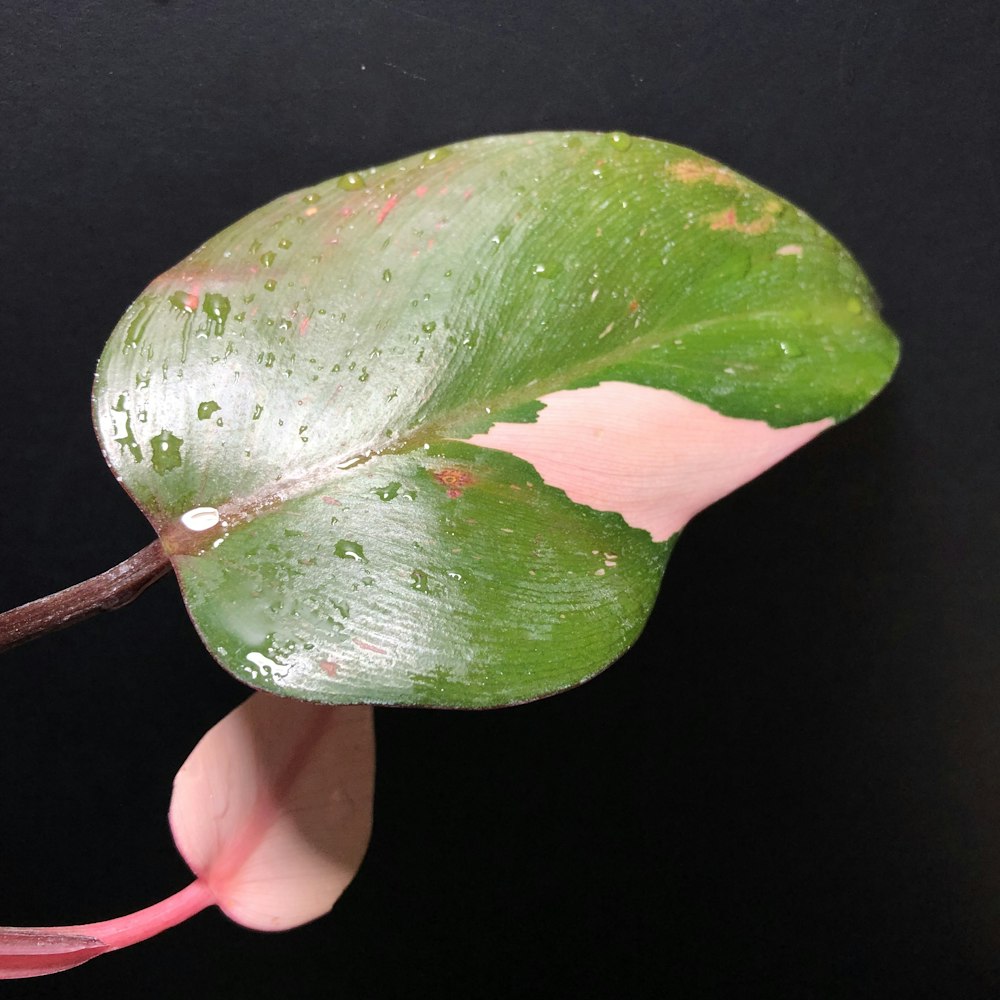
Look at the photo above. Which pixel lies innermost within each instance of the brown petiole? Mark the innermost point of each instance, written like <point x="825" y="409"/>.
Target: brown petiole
<point x="107" y="591"/>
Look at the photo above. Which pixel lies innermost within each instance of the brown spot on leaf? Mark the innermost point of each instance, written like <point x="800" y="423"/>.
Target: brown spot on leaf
<point x="695" y="171"/>
<point x="727" y="219"/>
<point x="454" y="481"/>
<point x="329" y="667"/>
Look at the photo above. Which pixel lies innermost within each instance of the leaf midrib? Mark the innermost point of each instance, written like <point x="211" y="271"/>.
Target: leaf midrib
<point x="239" y="511"/>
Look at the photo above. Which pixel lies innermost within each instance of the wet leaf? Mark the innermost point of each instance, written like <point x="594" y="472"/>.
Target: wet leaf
<point x="425" y="434"/>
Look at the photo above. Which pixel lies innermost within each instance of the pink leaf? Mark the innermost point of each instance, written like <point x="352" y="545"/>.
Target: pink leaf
<point x="273" y="808"/>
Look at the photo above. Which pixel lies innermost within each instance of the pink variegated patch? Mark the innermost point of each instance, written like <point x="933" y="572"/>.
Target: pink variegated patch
<point x="651" y="455"/>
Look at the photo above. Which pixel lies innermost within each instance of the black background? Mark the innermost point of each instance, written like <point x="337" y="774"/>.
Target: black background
<point x="791" y="786"/>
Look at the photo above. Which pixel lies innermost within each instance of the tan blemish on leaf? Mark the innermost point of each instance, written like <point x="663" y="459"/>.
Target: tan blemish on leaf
<point x="329" y="667"/>
<point x="727" y="219"/>
<point x="695" y="172"/>
<point x="789" y="250"/>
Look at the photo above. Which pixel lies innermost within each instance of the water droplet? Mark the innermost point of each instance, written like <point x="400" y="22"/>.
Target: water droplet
<point x="257" y="411"/>
<point x="166" y="451"/>
<point x="312" y="197"/>
<point x="429" y="327"/>
<point x="547" y="271"/>
<point x="388" y="492"/>
<point x="126" y="439"/>
<point x="350" y="463"/>
<point x="200" y="518"/>
<point x="206" y="409"/>
<point x="620" y="140"/>
<point x="351" y="182"/>
<point x="500" y="236"/>
<point x="270" y="285"/>
<point x="346" y="549"/>
<point x="284" y="244"/>
<point x="267" y="259"/>
<point x="387" y="275"/>
<point x="137" y="327"/>
<point x="216" y="308"/>
<point x="262" y="661"/>
<point x="436" y="155"/>
<point x="420" y="581"/>
<point x="184" y="301"/>
<point x="454" y="576"/>
<point x="790" y="350"/>
<point x="364" y="376"/>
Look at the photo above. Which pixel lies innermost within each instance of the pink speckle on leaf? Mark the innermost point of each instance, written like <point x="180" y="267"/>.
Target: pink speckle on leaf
<point x="368" y="647"/>
<point x="387" y="208"/>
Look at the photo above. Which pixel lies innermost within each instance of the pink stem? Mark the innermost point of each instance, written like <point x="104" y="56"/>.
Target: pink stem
<point x="40" y="951"/>
<point x="120" y="932"/>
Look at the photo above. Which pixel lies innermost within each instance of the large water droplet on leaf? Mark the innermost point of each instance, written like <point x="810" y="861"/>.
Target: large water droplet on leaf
<point x="200" y="518"/>
<point x="166" y="451"/>
<point x="346" y="549"/>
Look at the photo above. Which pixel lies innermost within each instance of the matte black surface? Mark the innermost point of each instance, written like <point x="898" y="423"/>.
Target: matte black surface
<point x="791" y="786"/>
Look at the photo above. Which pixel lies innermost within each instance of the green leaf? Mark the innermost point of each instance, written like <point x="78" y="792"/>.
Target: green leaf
<point x="425" y="434"/>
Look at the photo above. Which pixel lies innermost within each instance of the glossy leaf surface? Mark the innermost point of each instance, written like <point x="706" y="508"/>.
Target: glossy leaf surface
<point x="425" y="434"/>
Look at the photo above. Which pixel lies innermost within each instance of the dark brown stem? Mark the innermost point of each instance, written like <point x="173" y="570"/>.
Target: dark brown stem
<point x="108" y="591"/>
